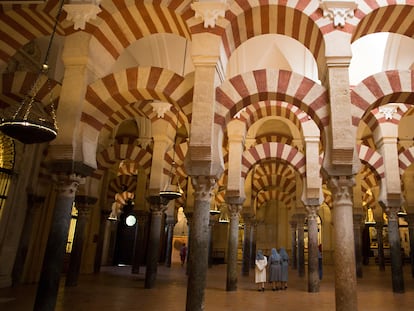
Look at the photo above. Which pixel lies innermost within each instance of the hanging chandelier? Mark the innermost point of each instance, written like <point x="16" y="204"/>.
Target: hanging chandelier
<point x="30" y="123"/>
<point x="171" y="191"/>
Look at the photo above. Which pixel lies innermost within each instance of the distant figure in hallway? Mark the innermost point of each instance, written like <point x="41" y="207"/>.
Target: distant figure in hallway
<point x="320" y="261"/>
<point x="275" y="269"/>
<point x="260" y="270"/>
<point x="285" y="265"/>
<point x="183" y="254"/>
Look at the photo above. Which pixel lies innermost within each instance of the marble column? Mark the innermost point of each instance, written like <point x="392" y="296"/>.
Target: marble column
<point x="157" y="208"/>
<point x="170" y="223"/>
<point x="33" y="208"/>
<point x="379" y="226"/>
<point x="213" y="220"/>
<point x="232" y="248"/>
<point x="395" y="250"/>
<point x="293" y="226"/>
<point x="48" y="286"/>
<point x="313" y="270"/>
<point x="344" y="256"/>
<point x="189" y="217"/>
<point x="198" y="256"/>
<point x="253" y="244"/>
<point x="301" y="244"/>
<point x="100" y="244"/>
<point x="246" y="244"/>
<point x="83" y="205"/>
<point x="141" y="239"/>
<point x="358" y="222"/>
<point x="410" y="220"/>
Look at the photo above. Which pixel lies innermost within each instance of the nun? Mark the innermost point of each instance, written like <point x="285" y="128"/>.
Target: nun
<point x="260" y="270"/>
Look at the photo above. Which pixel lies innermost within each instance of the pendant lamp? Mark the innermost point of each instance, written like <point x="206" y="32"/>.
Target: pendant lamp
<point x="30" y="123"/>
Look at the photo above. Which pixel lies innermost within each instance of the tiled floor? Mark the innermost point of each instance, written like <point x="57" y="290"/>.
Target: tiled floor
<point x="116" y="289"/>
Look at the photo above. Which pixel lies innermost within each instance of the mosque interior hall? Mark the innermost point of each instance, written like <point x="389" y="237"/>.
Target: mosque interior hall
<point x="129" y="129"/>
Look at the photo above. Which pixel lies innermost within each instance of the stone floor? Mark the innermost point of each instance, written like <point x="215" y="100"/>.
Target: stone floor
<point x="115" y="288"/>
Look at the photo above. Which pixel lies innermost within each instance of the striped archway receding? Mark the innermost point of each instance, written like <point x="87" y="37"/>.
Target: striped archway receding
<point x="119" y="24"/>
<point x="375" y="117"/>
<point x="13" y="87"/>
<point x="24" y="24"/>
<point x="281" y="85"/>
<point x="109" y="156"/>
<point x="383" y="16"/>
<point x="405" y="159"/>
<point x="372" y="158"/>
<point x="269" y="181"/>
<point x="120" y="184"/>
<point x="393" y="86"/>
<point x="273" y="150"/>
<point x="268" y="195"/>
<point x="259" y="110"/>
<point x="246" y="19"/>
<point x="110" y="94"/>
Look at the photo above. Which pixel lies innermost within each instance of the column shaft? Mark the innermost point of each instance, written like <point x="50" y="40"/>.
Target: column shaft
<point x="48" y="286"/>
<point x="395" y="251"/>
<point x="154" y="239"/>
<point x="301" y="245"/>
<point x="381" y="260"/>
<point x="345" y="276"/>
<point x="246" y="246"/>
<point x="358" y="243"/>
<point x="198" y="255"/>
<point x="232" y="249"/>
<point x="168" y="250"/>
<point x="313" y="271"/>
<point x="294" y="261"/>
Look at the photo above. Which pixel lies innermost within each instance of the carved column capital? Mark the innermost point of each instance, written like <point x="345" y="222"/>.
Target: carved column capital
<point x="203" y="187"/>
<point x="338" y="10"/>
<point x="341" y="187"/>
<point x="312" y="211"/>
<point x="81" y="13"/>
<point x="67" y="184"/>
<point x="210" y="11"/>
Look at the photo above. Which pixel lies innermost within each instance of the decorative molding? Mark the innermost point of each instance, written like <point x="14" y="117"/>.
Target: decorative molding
<point x="388" y="111"/>
<point x="338" y="10"/>
<point x="210" y="11"/>
<point x="160" y="108"/>
<point x="80" y="12"/>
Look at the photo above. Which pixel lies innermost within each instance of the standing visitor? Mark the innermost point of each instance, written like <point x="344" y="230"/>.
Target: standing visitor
<point x="275" y="270"/>
<point x="285" y="265"/>
<point x="260" y="270"/>
<point x="183" y="254"/>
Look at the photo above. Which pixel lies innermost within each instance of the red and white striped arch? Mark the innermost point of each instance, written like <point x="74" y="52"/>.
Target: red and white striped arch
<point x="25" y="23"/>
<point x="121" y="23"/>
<point x="268" y="181"/>
<point x="111" y="155"/>
<point x="405" y="159"/>
<point x="259" y="110"/>
<point x="13" y="87"/>
<point x="268" y="195"/>
<point x="394" y="86"/>
<point x="117" y="185"/>
<point x="373" y="159"/>
<point x="383" y="16"/>
<point x="262" y="85"/>
<point x="246" y="19"/>
<point x="376" y="117"/>
<point x="105" y="97"/>
<point x="273" y="150"/>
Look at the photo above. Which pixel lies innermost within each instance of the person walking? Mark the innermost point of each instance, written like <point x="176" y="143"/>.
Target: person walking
<point x="260" y="270"/>
<point x="285" y="265"/>
<point x="275" y="269"/>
